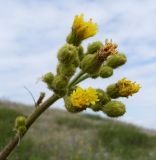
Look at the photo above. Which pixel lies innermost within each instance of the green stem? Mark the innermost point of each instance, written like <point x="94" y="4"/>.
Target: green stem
<point x="75" y="79"/>
<point x="81" y="79"/>
<point x="30" y="120"/>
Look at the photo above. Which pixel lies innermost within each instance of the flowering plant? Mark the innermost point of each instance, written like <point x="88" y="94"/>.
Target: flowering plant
<point x="100" y="60"/>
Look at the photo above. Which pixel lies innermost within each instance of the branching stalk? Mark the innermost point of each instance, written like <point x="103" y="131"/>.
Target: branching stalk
<point x="81" y="79"/>
<point x="81" y="73"/>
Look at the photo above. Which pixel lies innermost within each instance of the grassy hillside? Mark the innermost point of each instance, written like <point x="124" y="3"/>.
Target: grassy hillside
<point x="59" y="135"/>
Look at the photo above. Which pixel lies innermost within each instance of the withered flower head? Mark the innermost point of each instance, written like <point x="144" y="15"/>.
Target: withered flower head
<point x="109" y="48"/>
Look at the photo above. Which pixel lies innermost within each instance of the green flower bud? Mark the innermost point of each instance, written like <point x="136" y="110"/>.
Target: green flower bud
<point x="20" y="124"/>
<point x="114" y="109"/>
<point x="22" y="129"/>
<point x="90" y="64"/>
<point x="60" y="82"/>
<point x="80" y="52"/>
<point x="116" y="60"/>
<point x="76" y="61"/>
<point x="59" y="85"/>
<point x="70" y="107"/>
<point x="66" y="70"/>
<point x="105" y="71"/>
<point x="69" y="38"/>
<point x="48" y="78"/>
<point x="68" y="54"/>
<point x="94" y="47"/>
<point x="112" y="91"/>
<point x="20" y="121"/>
<point x="103" y="99"/>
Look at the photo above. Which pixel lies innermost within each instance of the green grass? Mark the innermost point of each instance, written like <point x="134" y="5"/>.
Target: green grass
<point x="58" y="135"/>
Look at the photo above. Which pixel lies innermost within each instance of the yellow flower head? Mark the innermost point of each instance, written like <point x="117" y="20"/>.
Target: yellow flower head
<point x="127" y="88"/>
<point x="84" y="29"/>
<point x="82" y="98"/>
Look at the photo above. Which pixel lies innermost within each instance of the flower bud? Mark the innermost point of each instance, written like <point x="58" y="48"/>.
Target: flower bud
<point x="116" y="60"/>
<point x="21" y="129"/>
<point x="112" y="91"/>
<point x="66" y="70"/>
<point x="20" y="124"/>
<point x="103" y="99"/>
<point x="90" y="64"/>
<point x="71" y="108"/>
<point x="20" y="121"/>
<point x="80" y="52"/>
<point x="114" y="109"/>
<point x="60" y="82"/>
<point x="94" y="47"/>
<point x="48" y="78"/>
<point x="105" y="71"/>
<point x="68" y="54"/>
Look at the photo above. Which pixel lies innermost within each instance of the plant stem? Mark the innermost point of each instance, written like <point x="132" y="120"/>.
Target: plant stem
<point x="30" y="120"/>
<point x="75" y="79"/>
<point x="81" y="79"/>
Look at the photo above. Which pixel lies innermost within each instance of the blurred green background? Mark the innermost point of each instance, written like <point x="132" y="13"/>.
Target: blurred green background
<point x="58" y="135"/>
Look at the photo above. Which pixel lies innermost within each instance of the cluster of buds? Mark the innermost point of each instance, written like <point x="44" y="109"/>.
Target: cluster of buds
<point x="99" y="60"/>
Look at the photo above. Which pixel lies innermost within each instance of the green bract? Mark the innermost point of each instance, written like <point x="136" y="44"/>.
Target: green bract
<point x="103" y="99"/>
<point x="94" y="47"/>
<point x="112" y="91"/>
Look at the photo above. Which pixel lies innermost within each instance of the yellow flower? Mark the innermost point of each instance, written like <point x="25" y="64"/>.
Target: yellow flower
<point x="84" y="29"/>
<point x="127" y="88"/>
<point x="82" y="98"/>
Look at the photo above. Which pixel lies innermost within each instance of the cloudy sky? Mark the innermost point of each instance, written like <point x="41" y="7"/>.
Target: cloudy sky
<point x="31" y="32"/>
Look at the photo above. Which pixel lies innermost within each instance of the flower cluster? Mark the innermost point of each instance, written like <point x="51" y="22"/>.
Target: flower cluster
<point x="99" y="60"/>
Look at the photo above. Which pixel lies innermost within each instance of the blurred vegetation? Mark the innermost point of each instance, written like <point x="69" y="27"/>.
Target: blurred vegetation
<point x="59" y="135"/>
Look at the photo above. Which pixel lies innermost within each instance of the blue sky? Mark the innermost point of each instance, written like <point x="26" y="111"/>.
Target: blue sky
<point x="32" y="31"/>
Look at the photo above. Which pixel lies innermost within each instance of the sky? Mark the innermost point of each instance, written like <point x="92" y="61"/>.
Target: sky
<point x="31" y="32"/>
